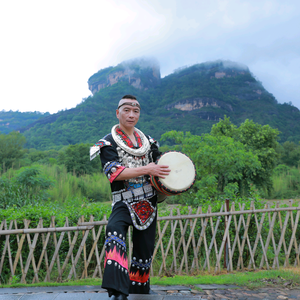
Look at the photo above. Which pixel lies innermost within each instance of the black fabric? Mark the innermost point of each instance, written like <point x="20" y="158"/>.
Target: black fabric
<point x="117" y="279"/>
<point x="110" y="154"/>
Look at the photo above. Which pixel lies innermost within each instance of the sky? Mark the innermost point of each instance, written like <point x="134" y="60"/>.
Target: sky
<point x="49" y="49"/>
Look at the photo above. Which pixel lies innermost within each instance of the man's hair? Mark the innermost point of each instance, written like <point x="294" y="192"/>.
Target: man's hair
<point x="129" y="97"/>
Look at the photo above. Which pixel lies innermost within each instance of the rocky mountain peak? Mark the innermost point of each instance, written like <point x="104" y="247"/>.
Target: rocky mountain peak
<point x="142" y="73"/>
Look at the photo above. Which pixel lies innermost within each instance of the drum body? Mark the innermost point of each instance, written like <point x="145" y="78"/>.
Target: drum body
<point x="182" y="175"/>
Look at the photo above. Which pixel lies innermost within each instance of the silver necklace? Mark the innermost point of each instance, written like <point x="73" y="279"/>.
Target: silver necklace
<point x="136" y="152"/>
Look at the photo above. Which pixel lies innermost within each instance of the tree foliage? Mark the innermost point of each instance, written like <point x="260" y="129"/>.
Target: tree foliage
<point x="29" y="186"/>
<point x="11" y="149"/>
<point x="260" y="140"/>
<point x="231" y="159"/>
<point x="76" y="159"/>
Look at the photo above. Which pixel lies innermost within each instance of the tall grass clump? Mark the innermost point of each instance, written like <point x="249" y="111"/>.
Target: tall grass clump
<point x="286" y="182"/>
<point x="68" y="186"/>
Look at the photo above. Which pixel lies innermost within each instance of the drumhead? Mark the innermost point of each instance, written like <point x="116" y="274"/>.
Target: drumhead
<point x="182" y="175"/>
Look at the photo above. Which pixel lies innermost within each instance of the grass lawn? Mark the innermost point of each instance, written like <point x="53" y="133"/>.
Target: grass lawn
<point x="256" y="279"/>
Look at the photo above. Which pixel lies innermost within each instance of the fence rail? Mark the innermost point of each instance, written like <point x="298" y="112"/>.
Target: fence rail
<point x="231" y="239"/>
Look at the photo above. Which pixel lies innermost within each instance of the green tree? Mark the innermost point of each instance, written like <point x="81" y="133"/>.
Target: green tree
<point x="11" y="149"/>
<point x="77" y="160"/>
<point x="289" y="154"/>
<point x="261" y="140"/>
<point x="27" y="187"/>
<point x="223" y="165"/>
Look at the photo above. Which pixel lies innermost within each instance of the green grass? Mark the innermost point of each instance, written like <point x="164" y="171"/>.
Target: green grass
<point x="255" y="279"/>
<point x="244" y="279"/>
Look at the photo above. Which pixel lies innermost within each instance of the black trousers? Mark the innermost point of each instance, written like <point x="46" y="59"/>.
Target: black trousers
<point x="117" y="277"/>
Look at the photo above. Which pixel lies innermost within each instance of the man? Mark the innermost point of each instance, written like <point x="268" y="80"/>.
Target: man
<point x="128" y="157"/>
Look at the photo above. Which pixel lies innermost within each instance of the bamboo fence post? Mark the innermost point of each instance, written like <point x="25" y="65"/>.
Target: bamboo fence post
<point x="280" y="223"/>
<point x="237" y="239"/>
<point x="281" y="241"/>
<point x="214" y="233"/>
<point x="293" y="238"/>
<point x="55" y="244"/>
<point x="19" y="254"/>
<point x="192" y="238"/>
<point x="31" y="250"/>
<point x="95" y="248"/>
<point x="1" y="263"/>
<point x="182" y="233"/>
<point x="9" y="252"/>
<point x="159" y="243"/>
<point x="273" y="239"/>
<point x="168" y="247"/>
<point x="192" y="227"/>
<point x="297" y="256"/>
<point x="44" y="252"/>
<point x="5" y="246"/>
<point x="84" y="273"/>
<point x="161" y="234"/>
<point x="246" y="236"/>
<point x="70" y="243"/>
<point x="173" y="228"/>
<point x="201" y="235"/>
<point x="184" y="258"/>
<point x="70" y="252"/>
<point x="229" y="245"/>
<point x="223" y="243"/>
<point x="56" y="255"/>
<point x="205" y="246"/>
<point x="79" y="252"/>
<point x="103" y="250"/>
<point x="271" y="222"/>
<point x="258" y="237"/>
<point x="45" y="244"/>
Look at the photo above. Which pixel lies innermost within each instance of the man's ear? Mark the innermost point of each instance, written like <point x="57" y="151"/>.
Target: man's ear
<point x="117" y="113"/>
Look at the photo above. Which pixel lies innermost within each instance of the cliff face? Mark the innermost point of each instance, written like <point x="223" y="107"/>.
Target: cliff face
<point x="198" y="103"/>
<point x="140" y="73"/>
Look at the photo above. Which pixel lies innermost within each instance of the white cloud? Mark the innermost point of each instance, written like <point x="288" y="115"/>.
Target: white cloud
<point x="49" y="49"/>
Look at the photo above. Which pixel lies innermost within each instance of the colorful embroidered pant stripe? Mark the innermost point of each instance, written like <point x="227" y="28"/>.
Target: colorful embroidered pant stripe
<point x="116" y="276"/>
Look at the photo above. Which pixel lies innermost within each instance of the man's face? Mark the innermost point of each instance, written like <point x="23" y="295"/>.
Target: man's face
<point x="128" y="115"/>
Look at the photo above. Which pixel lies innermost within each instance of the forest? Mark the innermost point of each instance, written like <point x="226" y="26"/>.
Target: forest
<point x="235" y="162"/>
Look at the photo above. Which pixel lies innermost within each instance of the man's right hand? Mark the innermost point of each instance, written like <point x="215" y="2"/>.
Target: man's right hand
<point x="158" y="170"/>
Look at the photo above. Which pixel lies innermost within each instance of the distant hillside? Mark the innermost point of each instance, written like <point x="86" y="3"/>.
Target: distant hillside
<point x="191" y="99"/>
<point x="15" y="120"/>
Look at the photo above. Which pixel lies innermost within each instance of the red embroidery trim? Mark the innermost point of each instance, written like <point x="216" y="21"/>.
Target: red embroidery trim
<point x="127" y="140"/>
<point x="116" y="256"/>
<point x="138" y="277"/>
<point x="114" y="175"/>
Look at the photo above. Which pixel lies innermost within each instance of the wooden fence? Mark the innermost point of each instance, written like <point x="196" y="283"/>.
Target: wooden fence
<point x="186" y="244"/>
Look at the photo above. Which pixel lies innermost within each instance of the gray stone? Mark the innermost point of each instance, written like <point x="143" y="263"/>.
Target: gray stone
<point x="169" y="287"/>
<point x="39" y="296"/>
<point x="170" y="297"/>
<point x="145" y="297"/>
<point x="216" y="286"/>
<point x="10" y="297"/>
<point x="81" y="296"/>
<point x="13" y="290"/>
